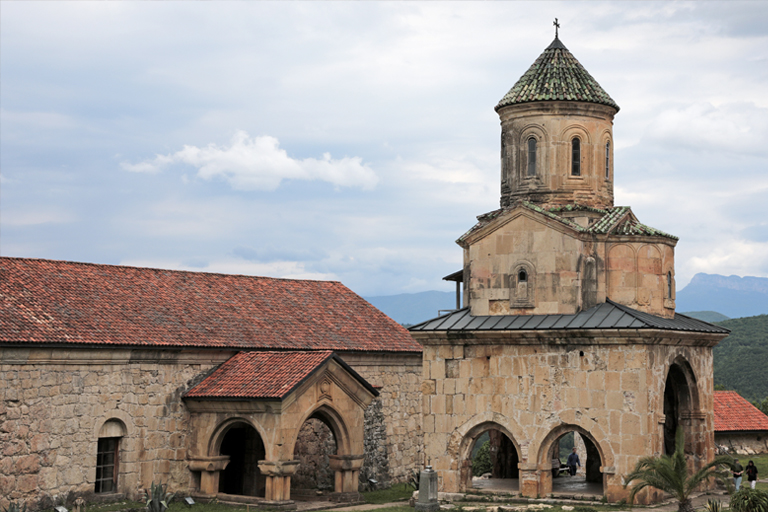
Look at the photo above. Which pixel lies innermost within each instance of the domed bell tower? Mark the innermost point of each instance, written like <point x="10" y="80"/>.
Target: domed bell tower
<point x="557" y="135"/>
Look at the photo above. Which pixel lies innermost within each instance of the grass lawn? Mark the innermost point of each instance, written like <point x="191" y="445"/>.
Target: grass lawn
<point x="398" y="492"/>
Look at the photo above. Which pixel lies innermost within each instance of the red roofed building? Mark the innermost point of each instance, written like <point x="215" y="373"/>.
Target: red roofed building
<point x="113" y="377"/>
<point x="739" y="426"/>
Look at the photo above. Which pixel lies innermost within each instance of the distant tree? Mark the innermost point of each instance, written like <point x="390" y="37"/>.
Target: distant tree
<point x="670" y="474"/>
<point x="763" y="406"/>
<point x="482" y="462"/>
<point x="720" y="387"/>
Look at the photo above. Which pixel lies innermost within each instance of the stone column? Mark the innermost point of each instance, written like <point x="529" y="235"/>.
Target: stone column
<point x="278" y="485"/>
<point x="529" y="480"/>
<point x="347" y="475"/>
<point x="210" y="469"/>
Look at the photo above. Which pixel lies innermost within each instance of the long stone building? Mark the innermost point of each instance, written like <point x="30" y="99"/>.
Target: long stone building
<point x="568" y="321"/>
<point x="112" y="378"/>
<point x="254" y="388"/>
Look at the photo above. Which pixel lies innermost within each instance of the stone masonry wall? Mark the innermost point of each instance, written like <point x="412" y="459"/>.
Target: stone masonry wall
<point x="54" y="402"/>
<point x="399" y="380"/>
<point x="534" y="390"/>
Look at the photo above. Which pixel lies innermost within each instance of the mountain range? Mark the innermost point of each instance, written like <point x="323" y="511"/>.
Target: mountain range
<point x="710" y="297"/>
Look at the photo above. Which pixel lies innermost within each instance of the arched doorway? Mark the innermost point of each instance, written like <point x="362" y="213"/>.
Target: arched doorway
<point x="490" y="459"/>
<point x="677" y="406"/>
<point x="557" y="447"/>
<point x="245" y="448"/>
<point x="314" y="446"/>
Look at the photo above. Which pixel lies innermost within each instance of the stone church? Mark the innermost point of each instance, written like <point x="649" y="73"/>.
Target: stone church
<point x="568" y="321"/>
<point x="114" y="377"/>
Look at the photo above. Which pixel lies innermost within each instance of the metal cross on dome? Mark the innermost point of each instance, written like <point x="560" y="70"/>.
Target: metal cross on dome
<point x="557" y="26"/>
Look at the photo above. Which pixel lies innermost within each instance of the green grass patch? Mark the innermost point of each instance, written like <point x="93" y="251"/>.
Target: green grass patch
<point x="397" y="492"/>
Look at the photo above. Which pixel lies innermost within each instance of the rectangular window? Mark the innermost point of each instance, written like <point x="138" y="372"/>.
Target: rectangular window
<point x="531" y="157"/>
<point x="608" y="160"/>
<point x="107" y="456"/>
<point x="575" y="157"/>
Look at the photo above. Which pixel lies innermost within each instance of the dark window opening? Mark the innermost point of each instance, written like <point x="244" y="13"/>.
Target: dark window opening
<point x="669" y="285"/>
<point x="531" y="157"/>
<point x="575" y="157"/>
<point x="522" y="277"/>
<point x="107" y="459"/>
<point x="608" y="160"/>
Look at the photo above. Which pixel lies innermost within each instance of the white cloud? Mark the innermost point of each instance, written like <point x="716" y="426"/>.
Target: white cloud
<point x="732" y="127"/>
<point x="259" y="164"/>
<point x="36" y="217"/>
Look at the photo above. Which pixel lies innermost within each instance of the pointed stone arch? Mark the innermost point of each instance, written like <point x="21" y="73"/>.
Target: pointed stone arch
<point x="601" y="448"/>
<point x="681" y="408"/>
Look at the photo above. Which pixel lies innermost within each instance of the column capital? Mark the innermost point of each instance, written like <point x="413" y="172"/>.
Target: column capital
<point x="346" y="462"/>
<point x="278" y="467"/>
<point x="218" y="463"/>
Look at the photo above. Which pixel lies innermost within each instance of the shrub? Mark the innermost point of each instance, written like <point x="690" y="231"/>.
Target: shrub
<point x="158" y="498"/>
<point x="749" y="500"/>
<point x="15" y="507"/>
<point x="713" y="506"/>
<point x="482" y="461"/>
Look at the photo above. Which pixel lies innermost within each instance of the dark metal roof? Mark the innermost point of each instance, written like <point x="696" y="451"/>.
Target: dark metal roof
<point x="608" y="315"/>
<point x="456" y="276"/>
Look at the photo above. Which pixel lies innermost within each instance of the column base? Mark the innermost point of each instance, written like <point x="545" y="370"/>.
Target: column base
<point x="346" y="497"/>
<point x="278" y="505"/>
<point x="427" y="507"/>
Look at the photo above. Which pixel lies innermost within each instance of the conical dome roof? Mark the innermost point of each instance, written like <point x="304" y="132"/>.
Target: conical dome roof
<point x="556" y="75"/>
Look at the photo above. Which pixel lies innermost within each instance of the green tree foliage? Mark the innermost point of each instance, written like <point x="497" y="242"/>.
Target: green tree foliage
<point x="763" y="406"/>
<point x="749" y="500"/>
<point x="670" y="474"/>
<point x="741" y="359"/>
<point x="482" y="461"/>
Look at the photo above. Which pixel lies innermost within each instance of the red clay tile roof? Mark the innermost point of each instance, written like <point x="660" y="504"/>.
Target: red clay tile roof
<point x="262" y="374"/>
<point x="58" y="302"/>
<point x="733" y="412"/>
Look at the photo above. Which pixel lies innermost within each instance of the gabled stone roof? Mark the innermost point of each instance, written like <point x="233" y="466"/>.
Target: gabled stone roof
<point x="618" y="220"/>
<point x="556" y="75"/>
<point x="265" y="375"/>
<point x="734" y="413"/>
<point x="50" y="303"/>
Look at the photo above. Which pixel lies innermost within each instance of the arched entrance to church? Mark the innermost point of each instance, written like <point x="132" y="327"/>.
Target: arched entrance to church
<point x="681" y="410"/>
<point x="490" y="459"/>
<point x="556" y="448"/>
<point x="243" y="445"/>
<point x="314" y="446"/>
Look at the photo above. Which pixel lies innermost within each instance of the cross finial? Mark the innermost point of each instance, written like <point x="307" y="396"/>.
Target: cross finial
<point x="557" y="26"/>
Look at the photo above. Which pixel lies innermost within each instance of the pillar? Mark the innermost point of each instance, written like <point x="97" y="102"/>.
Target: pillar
<point x="278" y="483"/>
<point x="210" y="469"/>
<point x="347" y="476"/>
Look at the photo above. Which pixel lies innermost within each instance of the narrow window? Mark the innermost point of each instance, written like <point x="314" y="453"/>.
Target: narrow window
<point x="522" y="277"/>
<point x="608" y="160"/>
<point x="531" y="157"/>
<point x="107" y="454"/>
<point x="575" y="157"/>
<point x="669" y="285"/>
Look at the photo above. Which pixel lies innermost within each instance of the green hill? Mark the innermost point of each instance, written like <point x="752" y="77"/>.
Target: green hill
<point x="741" y="359"/>
<point x="707" y="316"/>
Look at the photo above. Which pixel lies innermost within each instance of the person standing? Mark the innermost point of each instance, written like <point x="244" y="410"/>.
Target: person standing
<point x="737" y="470"/>
<point x="573" y="461"/>
<point x="751" y="471"/>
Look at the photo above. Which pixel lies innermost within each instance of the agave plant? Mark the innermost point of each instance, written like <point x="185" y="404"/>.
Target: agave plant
<point x="749" y="500"/>
<point x="15" y="507"/>
<point x="158" y="498"/>
<point x="670" y="474"/>
<point x="713" y="506"/>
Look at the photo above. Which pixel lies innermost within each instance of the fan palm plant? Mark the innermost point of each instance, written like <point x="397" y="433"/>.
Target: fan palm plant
<point x="670" y="474"/>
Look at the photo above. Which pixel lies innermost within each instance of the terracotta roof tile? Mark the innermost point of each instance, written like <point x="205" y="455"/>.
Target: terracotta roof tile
<point x="733" y="412"/>
<point x="59" y="302"/>
<point x="262" y="374"/>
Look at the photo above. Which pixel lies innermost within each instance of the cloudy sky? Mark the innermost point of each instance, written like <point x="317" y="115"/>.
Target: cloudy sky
<point x="358" y="141"/>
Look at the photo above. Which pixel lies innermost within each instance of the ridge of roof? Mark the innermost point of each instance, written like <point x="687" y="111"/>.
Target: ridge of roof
<point x="55" y="303"/>
<point x="556" y="75"/>
<point x="617" y="220"/>
<point x="608" y="315"/>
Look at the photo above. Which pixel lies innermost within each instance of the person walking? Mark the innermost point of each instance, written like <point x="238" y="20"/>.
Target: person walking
<point x="573" y="461"/>
<point x="751" y="471"/>
<point x="737" y="470"/>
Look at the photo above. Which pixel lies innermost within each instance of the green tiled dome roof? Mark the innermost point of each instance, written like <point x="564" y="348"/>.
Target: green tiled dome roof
<point x="556" y="75"/>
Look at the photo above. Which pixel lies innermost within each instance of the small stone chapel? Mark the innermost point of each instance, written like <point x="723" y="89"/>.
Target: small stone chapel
<point x="568" y="321"/>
